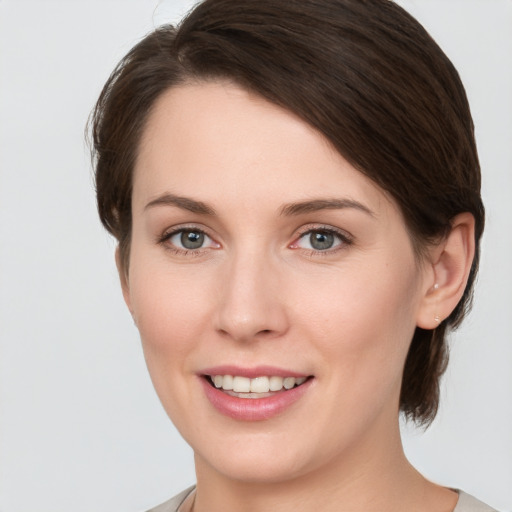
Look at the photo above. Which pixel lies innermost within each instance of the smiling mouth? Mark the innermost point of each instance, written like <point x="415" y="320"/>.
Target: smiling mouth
<point x="259" y="387"/>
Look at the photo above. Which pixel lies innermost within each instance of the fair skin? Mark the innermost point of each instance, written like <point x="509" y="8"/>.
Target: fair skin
<point x="257" y="249"/>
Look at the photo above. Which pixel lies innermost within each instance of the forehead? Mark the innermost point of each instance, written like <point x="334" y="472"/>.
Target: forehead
<point x="216" y="138"/>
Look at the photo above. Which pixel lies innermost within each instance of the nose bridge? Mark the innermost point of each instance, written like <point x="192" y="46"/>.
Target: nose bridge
<point x="250" y="304"/>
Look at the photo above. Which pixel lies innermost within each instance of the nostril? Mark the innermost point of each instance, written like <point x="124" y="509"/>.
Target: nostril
<point x="265" y="333"/>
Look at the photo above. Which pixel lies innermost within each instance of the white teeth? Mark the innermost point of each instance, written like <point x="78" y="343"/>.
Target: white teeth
<point x="276" y="383"/>
<point x="257" y="385"/>
<point x="260" y="385"/>
<point x="288" y="382"/>
<point x="227" y="382"/>
<point x="241" y="384"/>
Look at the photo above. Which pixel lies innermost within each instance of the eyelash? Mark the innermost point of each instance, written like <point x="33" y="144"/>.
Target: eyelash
<point x="167" y="235"/>
<point x="344" y="240"/>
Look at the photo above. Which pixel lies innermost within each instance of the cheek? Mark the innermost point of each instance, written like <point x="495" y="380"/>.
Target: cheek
<point x="366" y="317"/>
<point x="361" y="329"/>
<point x="172" y="309"/>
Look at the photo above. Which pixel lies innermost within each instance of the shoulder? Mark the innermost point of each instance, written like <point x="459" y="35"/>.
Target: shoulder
<point x="467" y="503"/>
<point x="173" y="504"/>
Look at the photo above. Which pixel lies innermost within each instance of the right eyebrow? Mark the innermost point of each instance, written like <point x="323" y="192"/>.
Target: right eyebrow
<point x="185" y="203"/>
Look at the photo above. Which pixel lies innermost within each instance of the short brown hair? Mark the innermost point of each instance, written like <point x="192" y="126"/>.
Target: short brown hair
<point x="364" y="73"/>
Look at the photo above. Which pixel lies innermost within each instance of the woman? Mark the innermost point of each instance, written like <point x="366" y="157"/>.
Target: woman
<point x="295" y="189"/>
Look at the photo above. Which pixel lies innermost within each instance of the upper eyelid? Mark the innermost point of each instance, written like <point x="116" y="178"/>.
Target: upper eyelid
<point x="164" y="237"/>
<point x="168" y="232"/>
<point x="324" y="227"/>
<point x="164" y="240"/>
<point x="299" y="233"/>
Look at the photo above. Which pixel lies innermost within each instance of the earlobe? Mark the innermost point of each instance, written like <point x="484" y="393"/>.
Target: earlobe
<point x="123" y="278"/>
<point x="451" y="262"/>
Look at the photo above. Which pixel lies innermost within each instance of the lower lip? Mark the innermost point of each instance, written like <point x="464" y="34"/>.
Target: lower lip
<point x="253" y="409"/>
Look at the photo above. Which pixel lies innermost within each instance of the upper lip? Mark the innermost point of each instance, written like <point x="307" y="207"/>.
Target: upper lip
<point x="252" y="372"/>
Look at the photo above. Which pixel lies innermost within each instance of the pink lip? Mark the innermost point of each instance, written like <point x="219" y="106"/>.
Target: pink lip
<point x="252" y="409"/>
<point x="251" y="373"/>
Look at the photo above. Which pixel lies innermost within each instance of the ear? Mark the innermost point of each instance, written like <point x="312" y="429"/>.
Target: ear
<point x="123" y="278"/>
<point x="448" y="270"/>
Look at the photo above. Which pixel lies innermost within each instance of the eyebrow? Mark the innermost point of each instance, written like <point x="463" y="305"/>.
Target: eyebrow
<point x="315" y="205"/>
<point x="184" y="203"/>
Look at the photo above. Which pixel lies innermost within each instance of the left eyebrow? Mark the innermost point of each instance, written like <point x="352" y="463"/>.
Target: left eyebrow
<point x="315" y="205"/>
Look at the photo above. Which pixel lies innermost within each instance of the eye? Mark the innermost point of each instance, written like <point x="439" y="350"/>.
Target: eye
<point x="189" y="240"/>
<point x="320" y="240"/>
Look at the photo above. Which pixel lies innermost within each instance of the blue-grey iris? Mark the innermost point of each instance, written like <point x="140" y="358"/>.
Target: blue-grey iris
<point x="192" y="239"/>
<point x="321" y="240"/>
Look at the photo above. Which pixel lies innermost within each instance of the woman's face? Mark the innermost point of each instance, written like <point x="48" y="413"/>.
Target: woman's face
<point x="260" y="256"/>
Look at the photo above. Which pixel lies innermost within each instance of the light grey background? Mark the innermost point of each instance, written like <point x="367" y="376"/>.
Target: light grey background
<point x="81" y="428"/>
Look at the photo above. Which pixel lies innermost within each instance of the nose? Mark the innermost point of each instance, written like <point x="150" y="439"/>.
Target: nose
<point x="251" y="302"/>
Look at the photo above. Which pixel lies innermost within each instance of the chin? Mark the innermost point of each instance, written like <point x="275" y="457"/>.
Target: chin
<point x="261" y="468"/>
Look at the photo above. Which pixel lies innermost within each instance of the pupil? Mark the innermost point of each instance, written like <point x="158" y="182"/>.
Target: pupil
<point x="192" y="239"/>
<point x="321" y="241"/>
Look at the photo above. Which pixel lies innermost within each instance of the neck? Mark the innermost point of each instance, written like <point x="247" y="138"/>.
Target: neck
<point x="374" y="477"/>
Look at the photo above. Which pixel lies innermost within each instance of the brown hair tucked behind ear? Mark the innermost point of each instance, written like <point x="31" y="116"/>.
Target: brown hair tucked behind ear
<point x="362" y="72"/>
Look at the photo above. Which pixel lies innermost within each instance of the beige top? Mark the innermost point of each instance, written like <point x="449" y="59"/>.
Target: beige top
<point x="183" y="503"/>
